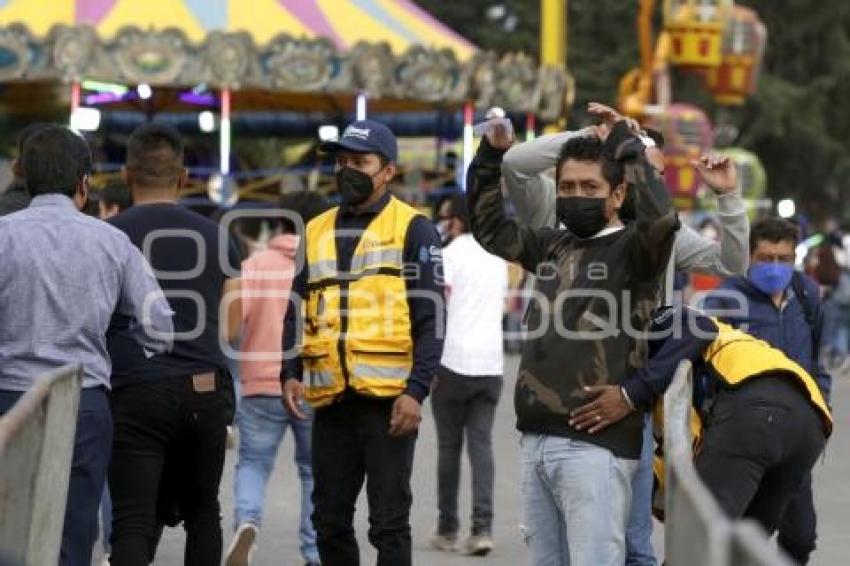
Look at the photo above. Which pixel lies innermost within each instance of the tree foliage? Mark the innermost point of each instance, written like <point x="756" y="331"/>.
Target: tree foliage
<point x="798" y="121"/>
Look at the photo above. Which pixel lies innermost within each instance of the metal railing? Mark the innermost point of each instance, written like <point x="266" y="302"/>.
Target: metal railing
<point x="696" y="531"/>
<point x="36" y="449"/>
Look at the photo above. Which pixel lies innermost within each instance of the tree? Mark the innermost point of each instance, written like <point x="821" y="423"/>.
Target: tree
<point x="502" y="26"/>
<point x="798" y="122"/>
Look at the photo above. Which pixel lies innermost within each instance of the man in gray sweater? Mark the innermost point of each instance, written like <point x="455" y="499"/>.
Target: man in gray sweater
<point x="525" y="172"/>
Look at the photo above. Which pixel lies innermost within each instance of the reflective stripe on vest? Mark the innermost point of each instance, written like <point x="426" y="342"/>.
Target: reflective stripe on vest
<point x="736" y="357"/>
<point x="377" y="345"/>
<point x="319" y="270"/>
<point x="382" y="372"/>
<point x="318" y="378"/>
<point x="375" y="259"/>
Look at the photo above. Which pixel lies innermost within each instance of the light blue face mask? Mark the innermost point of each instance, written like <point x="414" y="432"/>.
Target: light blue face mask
<point x="771" y="277"/>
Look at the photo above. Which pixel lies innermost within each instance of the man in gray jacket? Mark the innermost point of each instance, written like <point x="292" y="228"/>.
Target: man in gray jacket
<point x="525" y="171"/>
<point x="63" y="276"/>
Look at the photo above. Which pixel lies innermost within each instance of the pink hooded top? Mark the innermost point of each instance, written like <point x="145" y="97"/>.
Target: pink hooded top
<point x="266" y="282"/>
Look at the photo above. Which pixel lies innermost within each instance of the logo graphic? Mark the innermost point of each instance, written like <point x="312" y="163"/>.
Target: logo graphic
<point x="360" y="133"/>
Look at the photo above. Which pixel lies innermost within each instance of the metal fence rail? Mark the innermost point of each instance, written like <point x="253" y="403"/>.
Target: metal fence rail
<point x="696" y="531"/>
<point x="36" y="447"/>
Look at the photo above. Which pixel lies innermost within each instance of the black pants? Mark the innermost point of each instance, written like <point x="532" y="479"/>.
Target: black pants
<point x="92" y="443"/>
<point x="351" y="443"/>
<point x="167" y="461"/>
<point x="798" y="527"/>
<point x="760" y="444"/>
<point x="465" y="404"/>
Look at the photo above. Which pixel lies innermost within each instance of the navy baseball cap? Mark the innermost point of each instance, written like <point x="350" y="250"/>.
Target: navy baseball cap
<point x="365" y="136"/>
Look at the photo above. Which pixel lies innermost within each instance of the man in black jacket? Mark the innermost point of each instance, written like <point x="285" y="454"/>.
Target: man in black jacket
<point x="596" y="285"/>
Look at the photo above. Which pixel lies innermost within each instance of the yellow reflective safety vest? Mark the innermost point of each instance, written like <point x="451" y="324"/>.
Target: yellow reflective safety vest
<point x="357" y="331"/>
<point x="735" y="357"/>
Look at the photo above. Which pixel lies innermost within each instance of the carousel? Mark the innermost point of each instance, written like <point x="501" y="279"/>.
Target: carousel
<point x="223" y="71"/>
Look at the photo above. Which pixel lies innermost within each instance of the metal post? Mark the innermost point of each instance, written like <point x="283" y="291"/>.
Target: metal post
<point x="553" y="43"/>
<point x="468" y="114"/>
<point x="75" y="95"/>
<point x="530" y="125"/>
<point x="224" y="146"/>
<point x="361" y="105"/>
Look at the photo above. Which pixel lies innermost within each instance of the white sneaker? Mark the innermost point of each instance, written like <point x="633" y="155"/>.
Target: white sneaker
<point x="478" y="545"/>
<point x="446" y="543"/>
<point x="242" y="546"/>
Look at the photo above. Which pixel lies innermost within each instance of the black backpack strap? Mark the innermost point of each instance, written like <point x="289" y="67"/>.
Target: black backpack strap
<point x="807" y="302"/>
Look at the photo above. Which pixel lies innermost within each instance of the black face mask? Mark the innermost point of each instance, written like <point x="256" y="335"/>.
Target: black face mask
<point x="583" y="216"/>
<point x="355" y="187"/>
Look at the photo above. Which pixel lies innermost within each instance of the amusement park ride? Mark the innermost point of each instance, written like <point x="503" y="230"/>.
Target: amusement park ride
<point x="723" y="45"/>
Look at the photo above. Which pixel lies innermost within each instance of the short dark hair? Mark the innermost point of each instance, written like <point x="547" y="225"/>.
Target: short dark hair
<point x="28" y="131"/>
<point x="590" y="148"/>
<point x="458" y="209"/>
<point x="306" y="204"/>
<point x="116" y="193"/>
<point x="54" y="160"/>
<point x="773" y="230"/>
<point x="155" y="155"/>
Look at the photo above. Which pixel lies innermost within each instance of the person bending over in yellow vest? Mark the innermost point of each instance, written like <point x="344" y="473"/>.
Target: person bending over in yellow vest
<point x="373" y="322"/>
<point x="766" y="421"/>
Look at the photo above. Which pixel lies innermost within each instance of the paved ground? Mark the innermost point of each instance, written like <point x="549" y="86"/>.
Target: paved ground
<point x="278" y="544"/>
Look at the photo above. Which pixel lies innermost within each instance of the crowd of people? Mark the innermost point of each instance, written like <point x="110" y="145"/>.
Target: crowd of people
<point x="338" y="322"/>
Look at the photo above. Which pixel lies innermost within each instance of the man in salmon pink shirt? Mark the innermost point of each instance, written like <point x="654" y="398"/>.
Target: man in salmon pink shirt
<point x="261" y="417"/>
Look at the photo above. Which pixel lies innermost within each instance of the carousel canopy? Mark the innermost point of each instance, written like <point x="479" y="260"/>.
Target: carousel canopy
<point x="399" y="23"/>
<point x="391" y="49"/>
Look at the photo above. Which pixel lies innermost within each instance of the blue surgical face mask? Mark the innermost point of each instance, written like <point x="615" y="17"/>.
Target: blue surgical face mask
<point x="771" y="277"/>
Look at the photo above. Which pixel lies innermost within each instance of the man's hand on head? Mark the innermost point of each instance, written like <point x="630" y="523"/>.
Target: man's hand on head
<point x="610" y="117"/>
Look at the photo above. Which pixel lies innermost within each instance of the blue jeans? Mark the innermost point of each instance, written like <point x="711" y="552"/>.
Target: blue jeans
<point x="576" y="498"/>
<point x="92" y="447"/>
<point x="639" y="550"/>
<point x="262" y="422"/>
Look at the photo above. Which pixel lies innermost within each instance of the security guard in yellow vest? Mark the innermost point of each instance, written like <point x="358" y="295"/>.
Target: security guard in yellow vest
<point x="768" y="421"/>
<point x="371" y="340"/>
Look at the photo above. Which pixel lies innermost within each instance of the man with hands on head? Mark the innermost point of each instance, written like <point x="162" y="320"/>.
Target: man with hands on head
<point x="532" y="190"/>
<point x="576" y="487"/>
<point x="373" y="319"/>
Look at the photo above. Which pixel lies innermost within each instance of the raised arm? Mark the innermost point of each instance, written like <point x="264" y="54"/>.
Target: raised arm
<point x="656" y="221"/>
<point x="731" y="255"/>
<point x="491" y="227"/>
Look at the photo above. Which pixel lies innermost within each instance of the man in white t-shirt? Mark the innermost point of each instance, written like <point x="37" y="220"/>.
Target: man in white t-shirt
<point x="469" y="381"/>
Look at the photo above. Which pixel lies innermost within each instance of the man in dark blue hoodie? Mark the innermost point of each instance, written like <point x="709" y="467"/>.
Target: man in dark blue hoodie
<point x="783" y="308"/>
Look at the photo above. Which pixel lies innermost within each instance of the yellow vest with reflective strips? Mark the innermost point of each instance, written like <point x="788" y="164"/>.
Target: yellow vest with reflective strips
<point x="357" y="330"/>
<point x="734" y="357"/>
